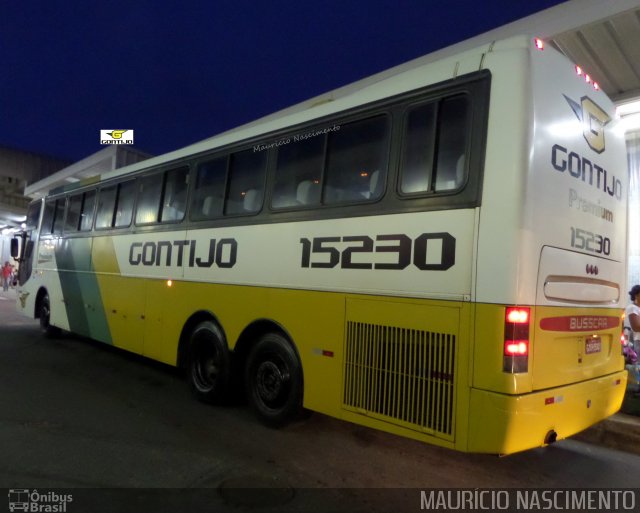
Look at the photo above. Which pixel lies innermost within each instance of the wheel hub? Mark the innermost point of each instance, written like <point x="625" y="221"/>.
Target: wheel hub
<point x="271" y="381"/>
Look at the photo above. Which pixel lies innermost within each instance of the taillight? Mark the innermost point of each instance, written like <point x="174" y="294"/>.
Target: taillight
<point x="516" y="339"/>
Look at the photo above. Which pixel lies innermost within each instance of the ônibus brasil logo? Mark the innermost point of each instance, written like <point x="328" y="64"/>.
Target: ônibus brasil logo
<point x="22" y="499"/>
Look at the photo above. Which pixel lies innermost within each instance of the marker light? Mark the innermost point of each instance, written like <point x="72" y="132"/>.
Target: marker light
<point x="587" y="78"/>
<point x="169" y="283"/>
<point x="539" y="43"/>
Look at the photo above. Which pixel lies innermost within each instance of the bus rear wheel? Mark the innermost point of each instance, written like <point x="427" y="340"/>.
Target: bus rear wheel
<point x="273" y="380"/>
<point x="44" y="314"/>
<point x="209" y="363"/>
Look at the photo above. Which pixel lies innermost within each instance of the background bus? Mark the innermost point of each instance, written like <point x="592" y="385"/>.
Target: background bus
<point x="437" y="252"/>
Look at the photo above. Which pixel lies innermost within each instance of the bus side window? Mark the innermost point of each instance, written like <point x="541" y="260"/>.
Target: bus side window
<point x="430" y="166"/>
<point x="174" y="200"/>
<point x="245" y="189"/>
<point x="149" y="195"/>
<point x="33" y="215"/>
<point x="59" y="216"/>
<point x="74" y="209"/>
<point x="124" y="208"/>
<point x="88" y="205"/>
<point x="106" y="204"/>
<point x="298" y="173"/>
<point x="47" y="217"/>
<point x="208" y="192"/>
<point x="354" y="154"/>
<point x="452" y="143"/>
<point x="419" y="147"/>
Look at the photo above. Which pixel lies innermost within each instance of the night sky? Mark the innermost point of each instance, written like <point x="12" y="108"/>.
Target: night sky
<point x="181" y="71"/>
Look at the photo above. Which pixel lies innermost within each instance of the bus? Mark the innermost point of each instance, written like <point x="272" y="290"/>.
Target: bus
<point x="437" y="251"/>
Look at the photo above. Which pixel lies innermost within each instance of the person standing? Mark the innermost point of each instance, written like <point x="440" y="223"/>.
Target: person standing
<point x="632" y="332"/>
<point x="632" y="318"/>
<point x="7" y="273"/>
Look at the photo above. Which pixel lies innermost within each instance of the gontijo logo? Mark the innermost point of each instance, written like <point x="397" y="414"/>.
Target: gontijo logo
<point x="593" y="119"/>
<point x="116" y="136"/>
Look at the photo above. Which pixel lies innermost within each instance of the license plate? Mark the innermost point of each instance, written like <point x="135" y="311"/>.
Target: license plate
<point x="593" y="345"/>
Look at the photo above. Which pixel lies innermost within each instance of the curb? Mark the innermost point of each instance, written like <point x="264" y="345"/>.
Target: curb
<point x="620" y="431"/>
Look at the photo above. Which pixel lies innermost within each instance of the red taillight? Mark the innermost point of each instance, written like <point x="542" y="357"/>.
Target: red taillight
<point x="516" y="347"/>
<point x="518" y="315"/>
<point x="516" y="339"/>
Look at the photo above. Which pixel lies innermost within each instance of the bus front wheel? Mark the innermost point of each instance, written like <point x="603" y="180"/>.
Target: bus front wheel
<point x="44" y="314"/>
<point x="209" y="363"/>
<point x="273" y="380"/>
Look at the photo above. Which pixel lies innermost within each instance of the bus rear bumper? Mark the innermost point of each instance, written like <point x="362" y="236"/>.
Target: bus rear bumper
<point x="504" y="424"/>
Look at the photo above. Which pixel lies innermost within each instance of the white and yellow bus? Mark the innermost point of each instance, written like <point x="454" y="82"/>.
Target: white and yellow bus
<point x="437" y="252"/>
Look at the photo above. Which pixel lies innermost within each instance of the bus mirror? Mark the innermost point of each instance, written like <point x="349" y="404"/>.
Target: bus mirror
<point x="15" y="248"/>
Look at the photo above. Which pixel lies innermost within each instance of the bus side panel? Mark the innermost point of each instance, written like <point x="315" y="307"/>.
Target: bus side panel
<point x="47" y="276"/>
<point x="80" y="289"/>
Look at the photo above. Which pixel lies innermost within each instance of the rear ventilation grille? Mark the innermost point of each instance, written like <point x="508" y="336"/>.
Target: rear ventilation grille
<point x="401" y="375"/>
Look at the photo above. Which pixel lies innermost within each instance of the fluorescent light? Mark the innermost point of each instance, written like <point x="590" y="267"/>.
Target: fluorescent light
<point x="631" y="122"/>
<point x="626" y="109"/>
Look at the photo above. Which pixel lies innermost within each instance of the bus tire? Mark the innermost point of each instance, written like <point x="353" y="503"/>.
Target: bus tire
<point x="209" y="363"/>
<point x="44" y="314"/>
<point x="273" y="380"/>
